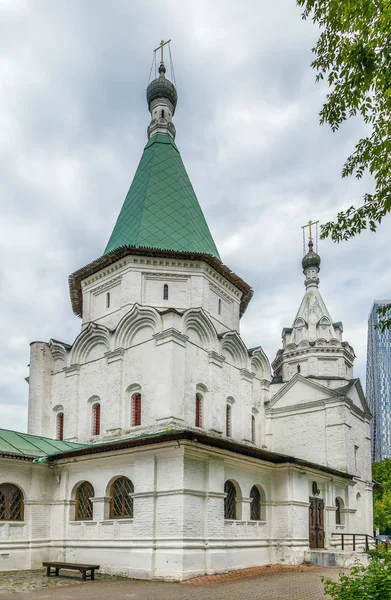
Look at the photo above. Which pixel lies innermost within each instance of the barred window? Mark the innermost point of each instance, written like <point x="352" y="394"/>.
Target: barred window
<point x="11" y="503"/>
<point x="338" y="512"/>
<point x="83" y="509"/>
<point x="198" y="411"/>
<point x="228" y="427"/>
<point x="255" y="509"/>
<point x="121" y="503"/>
<point x="253" y="429"/>
<point x="229" y="500"/>
<point x="136" y="409"/>
<point x="60" y="426"/>
<point x="165" y="292"/>
<point x="96" y="419"/>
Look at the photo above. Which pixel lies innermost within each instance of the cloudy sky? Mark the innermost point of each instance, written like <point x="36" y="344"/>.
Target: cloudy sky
<point x="73" y="121"/>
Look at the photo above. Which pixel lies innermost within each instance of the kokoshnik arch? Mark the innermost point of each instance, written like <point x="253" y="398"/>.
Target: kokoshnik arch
<point x="158" y="444"/>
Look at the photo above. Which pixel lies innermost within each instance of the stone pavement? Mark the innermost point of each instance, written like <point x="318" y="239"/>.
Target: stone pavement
<point x="266" y="583"/>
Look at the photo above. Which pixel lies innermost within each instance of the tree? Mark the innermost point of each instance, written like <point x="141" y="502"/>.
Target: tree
<point x="353" y="53"/>
<point x="381" y="473"/>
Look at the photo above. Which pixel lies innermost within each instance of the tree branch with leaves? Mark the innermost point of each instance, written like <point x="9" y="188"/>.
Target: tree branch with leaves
<point x="353" y="53"/>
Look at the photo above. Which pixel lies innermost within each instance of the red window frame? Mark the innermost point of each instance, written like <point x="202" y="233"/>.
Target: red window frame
<point x="198" y="411"/>
<point x="60" y="426"/>
<point x="96" y="419"/>
<point x="136" y="409"/>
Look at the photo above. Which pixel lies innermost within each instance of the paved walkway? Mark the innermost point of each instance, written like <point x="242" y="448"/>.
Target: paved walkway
<point x="263" y="583"/>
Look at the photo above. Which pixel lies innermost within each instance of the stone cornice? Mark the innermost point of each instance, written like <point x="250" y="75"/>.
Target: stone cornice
<point x="114" y="355"/>
<point x="72" y="370"/>
<point x="170" y="335"/>
<point x="216" y="359"/>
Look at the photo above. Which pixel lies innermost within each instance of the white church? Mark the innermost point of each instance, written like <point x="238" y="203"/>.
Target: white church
<point x="158" y="444"/>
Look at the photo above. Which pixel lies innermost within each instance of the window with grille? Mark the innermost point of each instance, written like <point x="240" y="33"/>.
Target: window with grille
<point x="83" y="509"/>
<point x="338" y="512"/>
<point x="229" y="500"/>
<point x="198" y="411"/>
<point x="96" y="419"/>
<point x="165" y="292"/>
<point x="253" y="429"/>
<point x="136" y="409"/>
<point x="11" y="503"/>
<point x="121" y="503"/>
<point x="256" y="506"/>
<point x="228" y="425"/>
<point x="60" y="426"/>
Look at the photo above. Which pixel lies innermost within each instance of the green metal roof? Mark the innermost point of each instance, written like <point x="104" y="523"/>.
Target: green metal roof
<point x="27" y="445"/>
<point x="161" y="209"/>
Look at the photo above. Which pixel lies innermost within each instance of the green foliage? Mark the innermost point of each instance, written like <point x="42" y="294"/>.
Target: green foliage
<point x="381" y="474"/>
<point x="353" y="53"/>
<point x="364" y="583"/>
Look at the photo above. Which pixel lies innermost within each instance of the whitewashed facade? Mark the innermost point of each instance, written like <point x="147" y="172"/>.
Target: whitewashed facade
<point x="162" y="329"/>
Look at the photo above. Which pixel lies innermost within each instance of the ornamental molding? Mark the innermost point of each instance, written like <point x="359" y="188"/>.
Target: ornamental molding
<point x="215" y="288"/>
<point x="114" y="355"/>
<point x="216" y="359"/>
<point x="222" y="281"/>
<point x="162" y="276"/>
<point x="170" y="335"/>
<point x="246" y="375"/>
<point x="72" y="370"/>
<point x="107" y="286"/>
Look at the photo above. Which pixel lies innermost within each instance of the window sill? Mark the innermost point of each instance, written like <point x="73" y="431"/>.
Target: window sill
<point x="87" y="522"/>
<point x="13" y="523"/>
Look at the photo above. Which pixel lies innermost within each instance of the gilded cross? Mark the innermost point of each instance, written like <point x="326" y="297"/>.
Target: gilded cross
<point x="309" y="225"/>
<point x="161" y="46"/>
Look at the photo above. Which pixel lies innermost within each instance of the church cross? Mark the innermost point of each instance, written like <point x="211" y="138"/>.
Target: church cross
<point x="161" y="45"/>
<point x="309" y="225"/>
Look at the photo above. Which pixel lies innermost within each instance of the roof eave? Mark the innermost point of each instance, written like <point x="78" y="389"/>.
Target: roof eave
<point x="203" y="439"/>
<point x="107" y="259"/>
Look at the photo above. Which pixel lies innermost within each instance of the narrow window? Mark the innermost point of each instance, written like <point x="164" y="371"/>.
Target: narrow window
<point x="108" y="300"/>
<point x="96" y="419"/>
<point x="162" y="114"/>
<point x="338" y="512"/>
<point x="165" y="292"/>
<point x="121" y="502"/>
<point x="298" y="368"/>
<point x="219" y="307"/>
<point x="253" y="429"/>
<point x="229" y="500"/>
<point x="83" y="508"/>
<point x="136" y="409"/>
<point x="60" y="426"/>
<point x="255" y="508"/>
<point x="11" y="503"/>
<point x="355" y="456"/>
<point x="228" y="429"/>
<point x="198" y="411"/>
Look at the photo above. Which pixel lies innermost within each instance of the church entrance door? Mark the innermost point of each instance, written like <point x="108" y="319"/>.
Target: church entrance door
<point x="316" y="523"/>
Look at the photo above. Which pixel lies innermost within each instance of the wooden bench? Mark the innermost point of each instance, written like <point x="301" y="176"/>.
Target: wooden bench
<point x="72" y="566"/>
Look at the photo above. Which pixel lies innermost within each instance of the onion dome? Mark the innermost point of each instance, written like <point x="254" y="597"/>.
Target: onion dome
<point x="162" y="88"/>
<point x="311" y="259"/>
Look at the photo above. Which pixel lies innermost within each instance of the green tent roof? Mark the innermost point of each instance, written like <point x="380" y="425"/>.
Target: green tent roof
<point x="27" y="445"/>
<point x="161" y="209"/>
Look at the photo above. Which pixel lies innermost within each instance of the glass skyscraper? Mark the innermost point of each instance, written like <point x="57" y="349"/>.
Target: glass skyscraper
<point x="378" y="388"/>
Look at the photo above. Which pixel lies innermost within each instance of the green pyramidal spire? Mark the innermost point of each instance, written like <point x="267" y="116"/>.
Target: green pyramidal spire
<point x="161" y="209"/>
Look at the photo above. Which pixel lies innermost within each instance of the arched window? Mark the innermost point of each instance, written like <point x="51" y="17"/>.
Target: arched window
<point x="162" y="114"/>
<point x="338" y="512"/>
<point x="198" y="411"/>
<point x="165" y="291"/>
<point x="256" y="504"/>
<point x="228" y="418"/>
<point x="11" y="503"/>
<point x="229" y="500"/>
<point x="136" y="409"/>
<point x="60" y="426"/>
<point x="83" y="508"/>
<point x="253" y="429"/>
<point x="219" y="307"/>
<point x="108" y="300"/>
<point x="121" y="503"/>
<point x="96" y="419"/>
